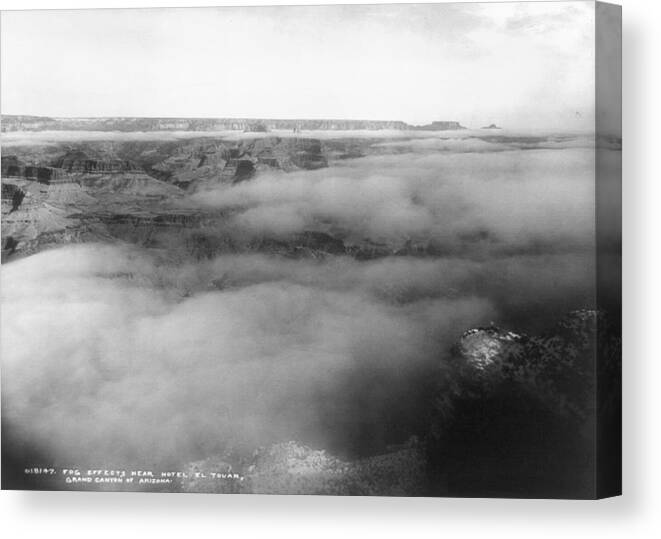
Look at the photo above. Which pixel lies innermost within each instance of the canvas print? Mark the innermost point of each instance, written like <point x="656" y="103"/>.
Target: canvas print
<point x="365" y="250"/>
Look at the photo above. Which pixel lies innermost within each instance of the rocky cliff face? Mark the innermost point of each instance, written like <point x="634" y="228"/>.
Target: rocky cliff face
<point x="12" y="167"/>
<point x="196" y="165"/>
<point x="286" y="153"/>
<point x="183" y="164"/>
<point x="133" y="192"/>
<point x="78" y="162"/>
<point x="38" y="213"/>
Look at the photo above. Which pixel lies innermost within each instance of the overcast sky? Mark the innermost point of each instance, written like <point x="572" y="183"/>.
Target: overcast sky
<point x="515" y="64"/>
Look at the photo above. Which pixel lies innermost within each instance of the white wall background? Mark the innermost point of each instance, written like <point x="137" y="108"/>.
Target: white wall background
<point x="636" y="514"/>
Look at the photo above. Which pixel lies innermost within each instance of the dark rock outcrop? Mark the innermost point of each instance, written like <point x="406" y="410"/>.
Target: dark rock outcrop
<point x="9" y="245"/>
<point x="238" y="170"/>
<point x="514" y="417"/>
<point x="307" y="154"/>
<point x="12" y="197"/>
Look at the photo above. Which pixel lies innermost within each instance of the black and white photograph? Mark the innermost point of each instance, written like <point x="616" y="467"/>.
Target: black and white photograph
<point x="341" y="250"/>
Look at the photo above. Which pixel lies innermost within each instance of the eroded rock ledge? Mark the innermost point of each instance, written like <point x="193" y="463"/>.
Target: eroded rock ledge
<point x="12" y="167"/>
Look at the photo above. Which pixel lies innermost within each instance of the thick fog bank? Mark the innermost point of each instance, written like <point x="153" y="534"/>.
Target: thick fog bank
<point x="105" y="361"/>
<point x="515" y="198"/>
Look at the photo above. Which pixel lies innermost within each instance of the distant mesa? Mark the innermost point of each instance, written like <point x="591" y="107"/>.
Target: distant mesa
<point x="492" y="126"/>
<point x="439" y="126"/>
<point x="41" y="123"/>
